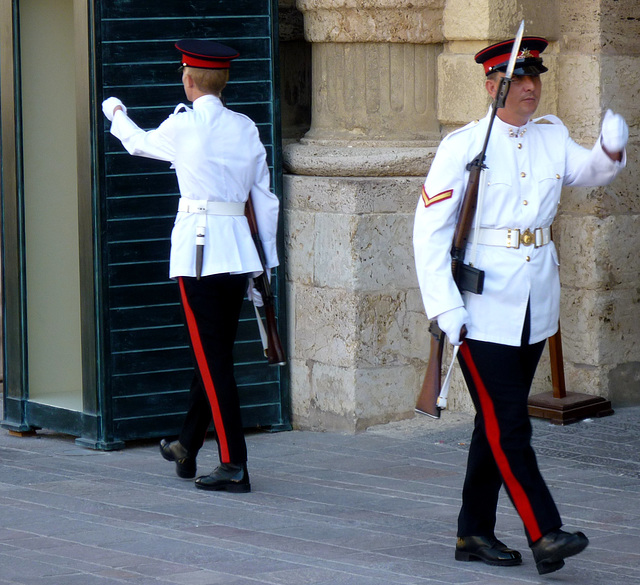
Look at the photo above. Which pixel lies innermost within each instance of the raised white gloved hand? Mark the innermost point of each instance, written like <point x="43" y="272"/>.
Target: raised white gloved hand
<point x="451" y="322"/>
<point x="615" y="132"/>
<point x="109" y="105"/>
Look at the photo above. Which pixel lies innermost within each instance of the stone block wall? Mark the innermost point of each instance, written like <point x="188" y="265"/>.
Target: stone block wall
<point x="386" y="81"/>
<point x="597" y="228"/>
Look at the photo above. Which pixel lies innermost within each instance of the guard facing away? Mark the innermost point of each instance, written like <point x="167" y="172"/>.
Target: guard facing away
<point x="501" y="330"/>
<point x="220" y="163"/>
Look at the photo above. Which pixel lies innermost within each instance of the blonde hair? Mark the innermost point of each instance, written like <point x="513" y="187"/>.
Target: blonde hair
<point x="211" y="81"/>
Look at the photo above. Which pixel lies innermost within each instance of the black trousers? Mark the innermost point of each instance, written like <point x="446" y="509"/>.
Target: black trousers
<point x="212" y="309"/>
<point x="499" y="379"/>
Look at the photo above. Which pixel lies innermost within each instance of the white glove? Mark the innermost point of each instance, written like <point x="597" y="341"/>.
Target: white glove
<point x="253" y="295"/>
<point x="109" y="105"/>
<point x="615" y="132"/>
<point x="451" y="322"/>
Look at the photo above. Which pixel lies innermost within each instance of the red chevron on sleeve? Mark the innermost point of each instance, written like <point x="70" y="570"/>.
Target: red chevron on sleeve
<point x="439" y="197"/>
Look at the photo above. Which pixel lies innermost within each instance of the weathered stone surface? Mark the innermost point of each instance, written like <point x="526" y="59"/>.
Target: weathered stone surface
<point x="610" y="28"/>
<point x="366" y="251"/>
<point x="384" y="330"/>
<point x="600" y="327"/>
<point x="620" y="29"/>
<point x="299" y="235"/>
<point x="590" y="253"/>
<point x="325" y="326"/>
<point x="372" y="21"/>
<point x="337" y="159"/>
<point x="358" y="332"/>
<point x="355" y="195"/>
<point x="385" y="393"/>
<point x="495" y="20"/>
<point x="461" y="94"/>
<point x="622" y="197"/>
<point x="366" y="91"/>
<point x="384" y="252"/>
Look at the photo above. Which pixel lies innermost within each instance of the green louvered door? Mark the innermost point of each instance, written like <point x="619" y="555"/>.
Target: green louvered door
<point x="146" y="361"/>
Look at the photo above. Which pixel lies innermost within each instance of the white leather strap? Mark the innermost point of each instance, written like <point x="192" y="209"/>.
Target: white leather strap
<point x="513" y="238"/>
<point x="207" y="207"/>
<point x="441" y="402"/>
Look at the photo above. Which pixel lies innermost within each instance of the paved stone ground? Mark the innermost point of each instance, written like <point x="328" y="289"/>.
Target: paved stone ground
<point x="376" y="508"/>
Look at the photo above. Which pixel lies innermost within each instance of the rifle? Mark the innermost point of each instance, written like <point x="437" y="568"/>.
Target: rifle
<point x="272" y="346"/>
<point x="467" y="277"/>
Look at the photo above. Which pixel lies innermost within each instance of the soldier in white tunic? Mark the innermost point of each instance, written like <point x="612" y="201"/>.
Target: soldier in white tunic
<point x="219" y="161"/>
<point x="529" y="161"/>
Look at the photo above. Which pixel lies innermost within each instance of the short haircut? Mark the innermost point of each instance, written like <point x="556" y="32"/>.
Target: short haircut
<point x="211" y="81"/>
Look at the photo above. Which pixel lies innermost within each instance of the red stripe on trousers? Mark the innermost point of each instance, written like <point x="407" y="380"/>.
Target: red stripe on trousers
<point x="492" y="430"/>
<point x="205" y="374"/>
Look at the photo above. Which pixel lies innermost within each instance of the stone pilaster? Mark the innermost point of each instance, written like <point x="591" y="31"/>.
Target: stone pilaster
<point x="599" y="48"/>
<point x="358" y="330"/>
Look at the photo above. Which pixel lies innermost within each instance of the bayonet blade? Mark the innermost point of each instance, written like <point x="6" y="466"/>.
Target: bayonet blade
<point x="515" y="51"/>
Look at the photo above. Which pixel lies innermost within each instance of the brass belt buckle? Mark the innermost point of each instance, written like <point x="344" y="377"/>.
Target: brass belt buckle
<point x="527" y="238"/>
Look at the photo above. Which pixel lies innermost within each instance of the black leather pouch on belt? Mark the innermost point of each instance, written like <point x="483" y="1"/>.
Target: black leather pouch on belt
<point x="470" y="279"/>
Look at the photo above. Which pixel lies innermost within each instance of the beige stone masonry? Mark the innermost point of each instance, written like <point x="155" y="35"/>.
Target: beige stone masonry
<point x="389" y="78"/>
<point x="355" y="315"/>
<point x="372" y="21"/>
<point x="598" y="227"/>
<point x="373" y="92"/>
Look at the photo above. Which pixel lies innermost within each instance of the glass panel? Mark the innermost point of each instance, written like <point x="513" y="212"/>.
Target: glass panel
<point x="51" y="202"/>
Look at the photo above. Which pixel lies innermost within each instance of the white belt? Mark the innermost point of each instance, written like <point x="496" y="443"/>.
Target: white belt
<point x="204" y="206"/>
<point x="513" y="238"/>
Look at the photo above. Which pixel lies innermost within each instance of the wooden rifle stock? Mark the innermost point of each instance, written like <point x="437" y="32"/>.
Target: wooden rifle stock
<point x="274" y="351"/>
<point x="428" y="399"/>
<point x="466" y="277"/>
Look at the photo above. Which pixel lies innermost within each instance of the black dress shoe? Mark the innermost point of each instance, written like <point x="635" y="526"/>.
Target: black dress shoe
<point x="489" y="550"/>
<point x="555" y="546"/>
<point x="226" y="478"/>
<point x="185" y="464"/>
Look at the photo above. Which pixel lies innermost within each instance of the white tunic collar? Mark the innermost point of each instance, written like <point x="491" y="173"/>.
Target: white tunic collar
<point x="206" y="100"/>
<point x="510" y="130"/>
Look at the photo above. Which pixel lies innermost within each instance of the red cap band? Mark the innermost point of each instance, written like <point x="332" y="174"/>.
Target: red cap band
<point x="491" y="63"/>
<point x="191" y="61"/>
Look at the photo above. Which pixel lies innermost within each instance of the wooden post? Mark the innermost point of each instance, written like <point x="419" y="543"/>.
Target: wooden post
<point x="562" y="407"/>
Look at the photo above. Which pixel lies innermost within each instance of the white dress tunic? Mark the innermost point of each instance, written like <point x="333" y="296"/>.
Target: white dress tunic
<point x="527" y="168"/>
<point x="198" y="143"/>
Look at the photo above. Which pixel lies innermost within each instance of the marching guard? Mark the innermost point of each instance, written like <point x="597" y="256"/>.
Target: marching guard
<point x="219" y="162"/>
<point x="528" y="161"/>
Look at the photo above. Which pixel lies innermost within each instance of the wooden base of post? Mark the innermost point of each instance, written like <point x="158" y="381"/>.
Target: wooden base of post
<point x="571" y="408"/>
<point x="562" y="407"/>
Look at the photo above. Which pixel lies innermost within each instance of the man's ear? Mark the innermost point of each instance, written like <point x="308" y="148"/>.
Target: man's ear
<point x="492" y="88"/>
<point x="188" y="81"/>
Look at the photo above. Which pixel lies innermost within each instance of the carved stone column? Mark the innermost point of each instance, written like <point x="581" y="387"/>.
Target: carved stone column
<point x="358" y="330"/>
